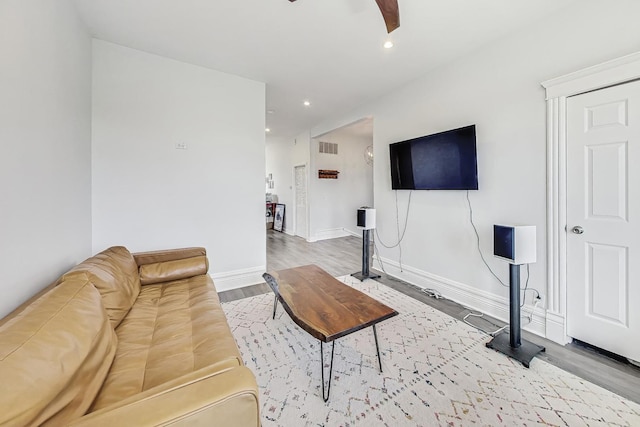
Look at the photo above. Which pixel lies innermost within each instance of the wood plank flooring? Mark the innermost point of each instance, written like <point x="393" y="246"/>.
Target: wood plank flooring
<point x="336" y="256"/>
<point x="343" y="256"/>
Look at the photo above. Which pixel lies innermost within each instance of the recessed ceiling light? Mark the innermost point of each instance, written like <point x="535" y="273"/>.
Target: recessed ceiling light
<point x="306" y="103"/>
<point x="267" y="130"/>
<point x="388" y="44"/>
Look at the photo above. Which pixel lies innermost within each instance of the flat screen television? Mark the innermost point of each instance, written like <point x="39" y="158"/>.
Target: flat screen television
<point x="442" y="161"/>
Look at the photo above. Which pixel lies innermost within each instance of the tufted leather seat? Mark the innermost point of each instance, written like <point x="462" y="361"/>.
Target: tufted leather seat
<point x="172" y="330"/>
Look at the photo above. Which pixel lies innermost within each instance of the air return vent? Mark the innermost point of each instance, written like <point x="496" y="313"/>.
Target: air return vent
<point x="327" y="147"/>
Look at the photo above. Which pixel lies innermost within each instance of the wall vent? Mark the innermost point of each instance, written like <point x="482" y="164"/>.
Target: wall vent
<point x="327" y="147"/>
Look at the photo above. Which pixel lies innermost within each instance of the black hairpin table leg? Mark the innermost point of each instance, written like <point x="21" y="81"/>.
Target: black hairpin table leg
<point x="375" y="336"/>
<point x="333" y="347"/>
<point x="275" y="304"/>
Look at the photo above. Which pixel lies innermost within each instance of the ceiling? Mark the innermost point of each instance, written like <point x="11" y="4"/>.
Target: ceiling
<point x="328" y="52"/>
<point x="362" y="128"/>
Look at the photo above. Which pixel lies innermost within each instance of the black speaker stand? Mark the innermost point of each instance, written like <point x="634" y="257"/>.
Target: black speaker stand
<point x="365" y="274"/>
<point x="513" y="345"/>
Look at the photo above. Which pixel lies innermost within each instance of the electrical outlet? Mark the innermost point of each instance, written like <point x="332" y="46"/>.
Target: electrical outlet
<point x="181" y="146"/>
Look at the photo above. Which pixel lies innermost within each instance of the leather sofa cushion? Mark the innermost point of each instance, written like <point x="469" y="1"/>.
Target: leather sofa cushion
<point x="173" y="329"/>
<point x="54" y="356"/>
<point x="173" y="270"/>
<point x="114" y="273"/>
<point x="168" y="255"/>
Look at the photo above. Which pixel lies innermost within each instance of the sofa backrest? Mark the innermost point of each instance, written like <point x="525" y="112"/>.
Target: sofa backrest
<point x="168" y="271"/>
<point x="55" y="355"/>
<point x="114" y="273"/>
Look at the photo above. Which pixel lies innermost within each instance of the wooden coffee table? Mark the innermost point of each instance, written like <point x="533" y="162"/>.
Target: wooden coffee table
<point x="325" y="307"/>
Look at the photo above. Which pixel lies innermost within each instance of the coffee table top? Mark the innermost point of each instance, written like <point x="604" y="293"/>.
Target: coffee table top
<point x="325" y="307"/>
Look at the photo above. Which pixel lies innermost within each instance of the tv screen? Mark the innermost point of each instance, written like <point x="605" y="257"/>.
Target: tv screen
<point x="442" y="161"/>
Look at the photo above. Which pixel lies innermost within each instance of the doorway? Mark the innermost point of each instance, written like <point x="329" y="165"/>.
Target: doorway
<point x="597" y="273"/>
<point x="603" y="205"/>
<point x="346" y="152"/>
<point x="300" y="197"/>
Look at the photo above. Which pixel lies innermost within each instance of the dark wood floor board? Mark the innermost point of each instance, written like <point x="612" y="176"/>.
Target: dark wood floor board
<point x="343" y="256"/>
<point x="246" y="292"/>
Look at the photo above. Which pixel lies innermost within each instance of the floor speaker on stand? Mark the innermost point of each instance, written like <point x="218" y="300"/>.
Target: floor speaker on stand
<point x="516" y="245"/>
<point x="366" y="220"/>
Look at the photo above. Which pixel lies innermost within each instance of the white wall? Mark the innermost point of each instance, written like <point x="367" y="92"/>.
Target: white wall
<point x="279" y="160"/>
<point x="45" y="131"/>
<point x="149" y="195"/>
<point x="498" y="89"/>
<point x="335" y="201"/>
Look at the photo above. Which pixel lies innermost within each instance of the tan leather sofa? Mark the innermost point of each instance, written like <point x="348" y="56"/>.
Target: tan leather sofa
<point x="125" y="340"/>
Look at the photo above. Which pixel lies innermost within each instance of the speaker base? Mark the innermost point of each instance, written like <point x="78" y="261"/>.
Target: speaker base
<point x="362" y="277"/>
<point x="523" y="354"/>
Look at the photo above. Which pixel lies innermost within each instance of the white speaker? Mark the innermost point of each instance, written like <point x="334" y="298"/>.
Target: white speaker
<point x="515" y="244"/>
<point x="367" y="218"/>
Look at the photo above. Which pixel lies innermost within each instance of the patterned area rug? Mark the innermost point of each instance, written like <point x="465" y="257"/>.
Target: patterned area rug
<point x="436" y="371"/>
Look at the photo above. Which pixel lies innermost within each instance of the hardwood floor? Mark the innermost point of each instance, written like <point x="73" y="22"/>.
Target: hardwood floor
<point x="336" y="256"/>
<point x="343" y="256"/>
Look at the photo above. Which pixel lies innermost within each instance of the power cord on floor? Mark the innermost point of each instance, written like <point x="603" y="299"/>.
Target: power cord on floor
<point x="481" y="315"/>
<point x="499" y="330"/>
<point x="529" y="319"/>
<point x="432" y="293"/>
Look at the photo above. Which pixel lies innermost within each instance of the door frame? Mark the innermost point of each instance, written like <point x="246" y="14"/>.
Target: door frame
<point x="617" y="71"/>
<point x="295" y="200"/>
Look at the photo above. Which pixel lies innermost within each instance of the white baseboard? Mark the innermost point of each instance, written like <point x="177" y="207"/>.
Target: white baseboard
<point x="330" y="233"/>
<point x="238" y="278"/>
<point x="493" y="305"/>
<point x="353" y="233"/>
<point x="556" y="328"/>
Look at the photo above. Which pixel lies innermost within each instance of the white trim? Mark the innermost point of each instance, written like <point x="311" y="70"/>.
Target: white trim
<point x="555" y="326"/>
<point x="305" y="233"/>
<point x="610" y="73"/>
<point x="238" y="278"/>
<point x="353" y="233"/>
<point x="329" y="233"/>
<point x="469" y="296"/>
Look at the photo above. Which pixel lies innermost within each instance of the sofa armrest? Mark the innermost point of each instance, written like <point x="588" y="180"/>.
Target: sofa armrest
<point x="153" y="257"/>
<point x="170" y="265"/>
<point x="227" y="398"/>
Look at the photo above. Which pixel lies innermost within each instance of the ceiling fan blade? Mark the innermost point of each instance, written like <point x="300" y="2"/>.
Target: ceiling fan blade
<point x="390" y="13"/>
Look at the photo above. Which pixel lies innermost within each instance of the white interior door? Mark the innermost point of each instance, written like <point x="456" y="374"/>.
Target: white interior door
<point x="301" y="201"/>
<point x="603" y="224"/>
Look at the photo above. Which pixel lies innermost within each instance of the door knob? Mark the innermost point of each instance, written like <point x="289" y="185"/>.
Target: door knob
<point x="577" y="230"/>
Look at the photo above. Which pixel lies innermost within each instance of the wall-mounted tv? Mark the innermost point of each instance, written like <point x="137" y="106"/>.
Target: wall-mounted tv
<point x="442" y="161"/>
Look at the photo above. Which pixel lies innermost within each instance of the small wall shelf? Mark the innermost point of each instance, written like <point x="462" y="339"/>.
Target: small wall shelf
<point x="328" y="174"/>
